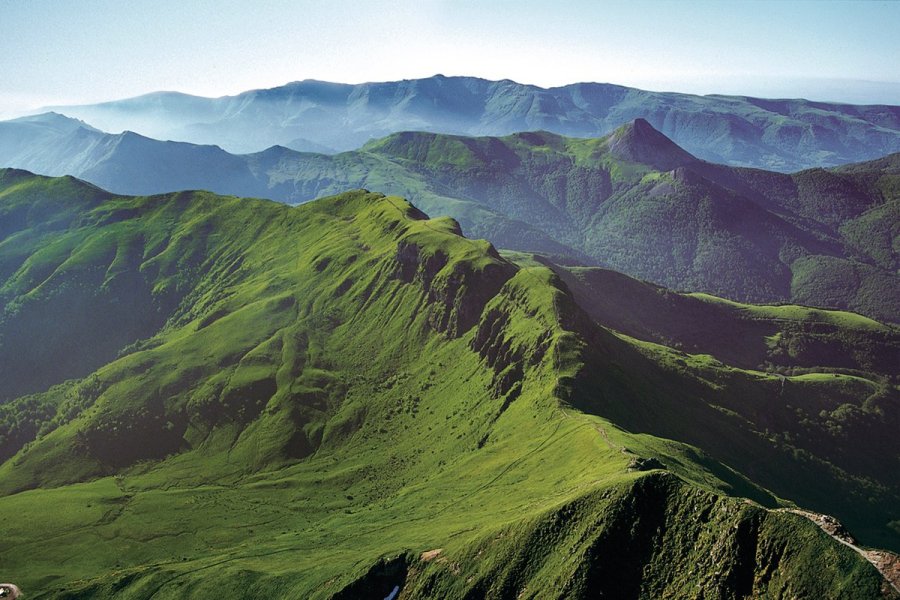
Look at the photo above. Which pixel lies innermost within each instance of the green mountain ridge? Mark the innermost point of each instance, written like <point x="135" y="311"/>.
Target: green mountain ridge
<point x="743" y="234"/>
<point x="818" y="237"/>
<point x="335" y="399"/>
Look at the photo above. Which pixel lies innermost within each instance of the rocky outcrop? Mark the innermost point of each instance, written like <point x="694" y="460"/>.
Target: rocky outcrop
<point x="457" y="291"/>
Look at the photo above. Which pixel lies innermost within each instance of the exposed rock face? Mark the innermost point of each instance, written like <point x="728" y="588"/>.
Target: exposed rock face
<point x="456" y="293"/>
<point x="888" y="564"/>
<point x="645" y="464"/>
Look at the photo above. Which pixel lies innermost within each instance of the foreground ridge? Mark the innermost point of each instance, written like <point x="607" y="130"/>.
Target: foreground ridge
<point x="348" y="397"/>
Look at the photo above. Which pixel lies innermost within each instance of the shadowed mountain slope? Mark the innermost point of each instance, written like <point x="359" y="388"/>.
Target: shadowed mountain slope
<point x="781" y="339"/>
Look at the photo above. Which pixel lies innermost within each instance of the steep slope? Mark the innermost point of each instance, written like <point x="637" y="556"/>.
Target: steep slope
<point x="783" y="135"/>
<point x="347" y="396"/>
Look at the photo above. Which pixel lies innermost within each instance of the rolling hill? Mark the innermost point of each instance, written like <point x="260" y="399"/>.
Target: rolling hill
<point x="347" y="398"/>
<point x="782" y="135"/>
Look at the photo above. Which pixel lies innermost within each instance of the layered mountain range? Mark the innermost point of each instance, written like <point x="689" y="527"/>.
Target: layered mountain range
<point x="668" y="369"/>
<point x="782" y="135"/>
<point x="633" y="201"/>
<point x="349" y="399"/>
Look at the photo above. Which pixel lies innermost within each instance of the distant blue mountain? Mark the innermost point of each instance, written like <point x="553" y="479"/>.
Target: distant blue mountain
<point x="52" y="144"/>
<point x="782" y="135"/>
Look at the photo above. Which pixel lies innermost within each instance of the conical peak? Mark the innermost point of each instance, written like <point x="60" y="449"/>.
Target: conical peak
<point x="638" y="141"/>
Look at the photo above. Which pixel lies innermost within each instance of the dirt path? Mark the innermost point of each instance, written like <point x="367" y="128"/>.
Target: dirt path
<point x="609" y="443"/>
<point x="887" y="563"/>
<point x="601" y="431"/>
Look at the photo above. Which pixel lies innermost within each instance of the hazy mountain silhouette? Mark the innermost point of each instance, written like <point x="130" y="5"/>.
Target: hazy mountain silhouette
<point x="310" y="115"/>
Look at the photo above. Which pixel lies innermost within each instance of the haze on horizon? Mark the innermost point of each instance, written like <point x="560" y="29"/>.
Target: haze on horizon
<point x="54" y="53"/>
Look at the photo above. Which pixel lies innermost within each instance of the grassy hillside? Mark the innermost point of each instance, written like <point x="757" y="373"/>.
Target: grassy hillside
<point x="632" y="201"/>
<point x="349" y="396"/>
<point x="127" y="163"/>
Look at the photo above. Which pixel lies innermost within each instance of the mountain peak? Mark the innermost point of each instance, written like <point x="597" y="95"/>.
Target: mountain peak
<point x="641" y="124"/>
<point x="638" y="141"/>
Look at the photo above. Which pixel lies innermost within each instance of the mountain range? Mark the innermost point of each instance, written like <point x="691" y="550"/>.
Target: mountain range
<point x="632" y="201"/>
<point x="349" y="399"/>
<point x="318" y="116"/>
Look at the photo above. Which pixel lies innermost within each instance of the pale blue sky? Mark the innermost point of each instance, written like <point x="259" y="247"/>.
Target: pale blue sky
<point x="68" y="51"/>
